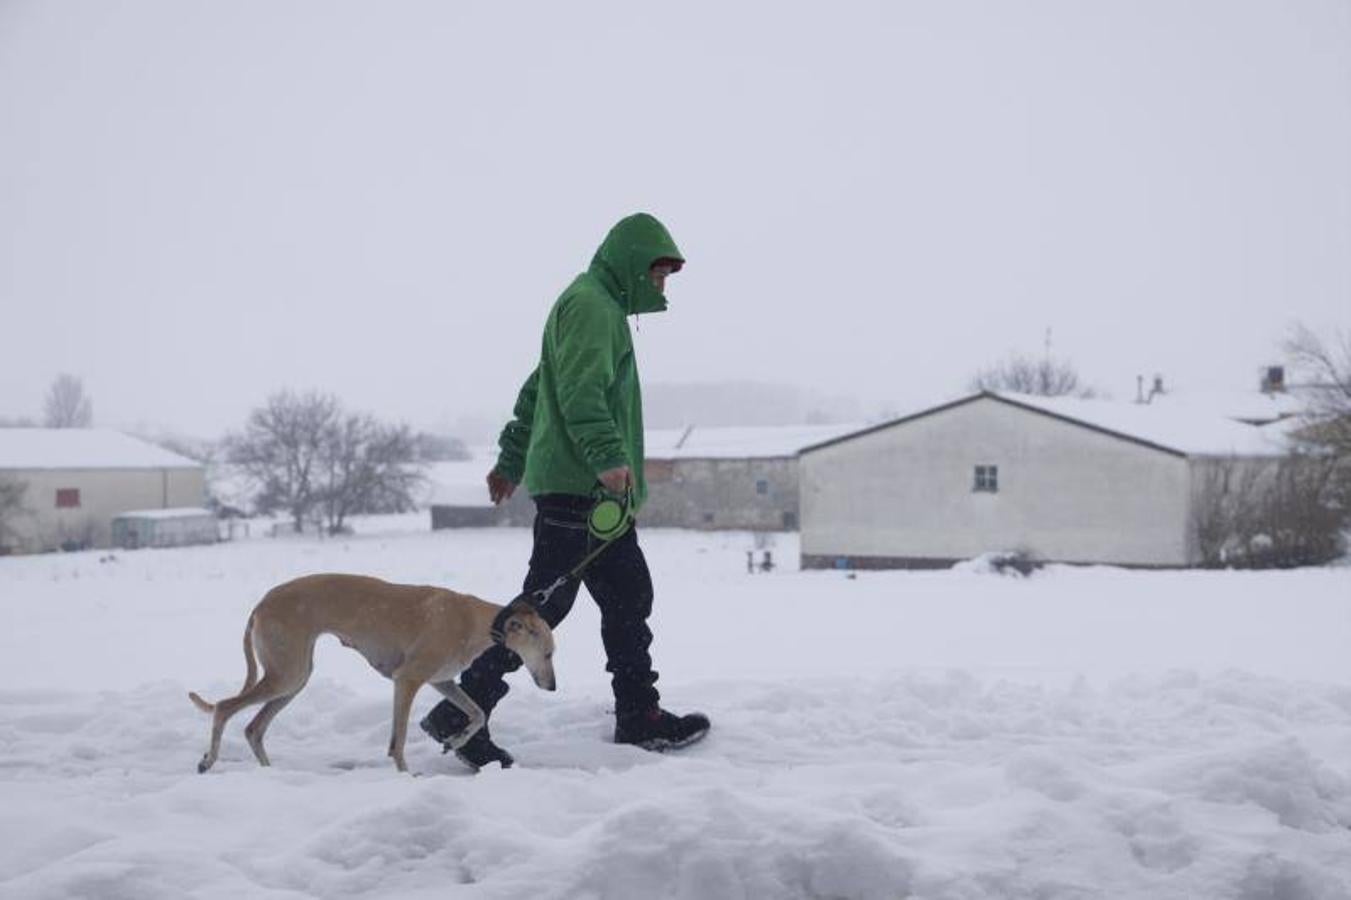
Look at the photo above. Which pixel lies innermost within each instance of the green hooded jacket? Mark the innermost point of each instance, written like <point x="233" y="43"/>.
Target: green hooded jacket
<point x="581" y="411"/>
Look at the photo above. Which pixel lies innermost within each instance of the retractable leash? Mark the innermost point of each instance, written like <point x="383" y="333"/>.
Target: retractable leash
<point x="609" y="520"/>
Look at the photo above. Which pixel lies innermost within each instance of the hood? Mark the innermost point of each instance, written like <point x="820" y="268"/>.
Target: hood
<point x="626" y="254"/>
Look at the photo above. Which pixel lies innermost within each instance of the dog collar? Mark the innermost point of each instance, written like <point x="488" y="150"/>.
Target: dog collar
<point x="499" y="627"/>
<point x="498" y="630"/>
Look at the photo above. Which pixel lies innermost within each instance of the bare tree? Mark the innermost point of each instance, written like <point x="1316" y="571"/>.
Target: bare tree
<point x="1043" y="376"/>
<point x="321" y="465"/>
<point x="1326" y="367"/>
<point x="366" y="467"/>
<point x="67" y="405"/>
<point x="1294" y="510"/>
<point x="1303" y="513"/>
<point x="281" y="449"/>
<point x="1227" y="495"/>
<point x="1277" y="513"/>
<point x="11" y="509"/>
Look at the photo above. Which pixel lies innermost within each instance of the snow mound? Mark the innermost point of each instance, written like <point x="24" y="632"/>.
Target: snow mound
<point x="938" y="785"/>
<point x="1087" y="733"/>
<point x="1000" y="562"/>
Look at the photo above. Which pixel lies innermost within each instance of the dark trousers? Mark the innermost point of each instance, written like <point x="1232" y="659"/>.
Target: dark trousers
<point x="618" y="580"/>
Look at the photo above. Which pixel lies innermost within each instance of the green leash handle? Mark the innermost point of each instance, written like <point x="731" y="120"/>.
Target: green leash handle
<point x="610" y="516"/>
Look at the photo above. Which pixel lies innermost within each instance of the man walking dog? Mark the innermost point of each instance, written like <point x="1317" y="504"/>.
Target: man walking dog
<point x="576" y="435"/>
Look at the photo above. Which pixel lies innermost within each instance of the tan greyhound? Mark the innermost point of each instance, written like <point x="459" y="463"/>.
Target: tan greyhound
<point x="411" y="634"/>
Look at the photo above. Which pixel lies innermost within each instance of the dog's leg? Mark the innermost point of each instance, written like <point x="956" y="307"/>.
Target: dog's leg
<point x="268" y="688"/>
<point x="405" y="689"/>
<point x="455" y="694"/>
<point x="255" y="730"/>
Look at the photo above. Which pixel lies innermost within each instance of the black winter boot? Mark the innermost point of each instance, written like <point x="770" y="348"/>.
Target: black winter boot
<point x="443" y="723"/>
<point x="480" y="750"/>
<point x="656" y="729"/>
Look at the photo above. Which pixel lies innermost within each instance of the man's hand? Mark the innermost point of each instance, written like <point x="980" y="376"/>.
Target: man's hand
<point x="617" y="480"/>
<point x="499" y="487"/>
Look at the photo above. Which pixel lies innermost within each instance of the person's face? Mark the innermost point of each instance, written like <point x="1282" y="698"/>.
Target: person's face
<point x="658" y="273"/>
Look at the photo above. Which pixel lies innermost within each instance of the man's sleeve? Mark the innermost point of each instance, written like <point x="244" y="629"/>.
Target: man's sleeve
<point x="585" y="354"/>
<point x="515" y="438"/>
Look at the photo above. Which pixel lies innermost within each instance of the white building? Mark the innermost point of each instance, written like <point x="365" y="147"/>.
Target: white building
<point x="697" y="477"/>
<point x="457" y="495"/>
<point x="75" y="480"/>
<point x="743" y="478"/>
<point x="175" y="527"/>
<point x="1069" y="480"/>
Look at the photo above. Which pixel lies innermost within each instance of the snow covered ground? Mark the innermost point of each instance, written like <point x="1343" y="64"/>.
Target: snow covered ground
<point x="1081" y="733"/>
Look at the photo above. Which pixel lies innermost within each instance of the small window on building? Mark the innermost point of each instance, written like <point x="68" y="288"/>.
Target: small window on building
<point x="708" y="518"/>
<point x="67" y="498"/>
<point x="790" y="520"/>
<point x="762" y="486"/>
<point x="987" y="479"/>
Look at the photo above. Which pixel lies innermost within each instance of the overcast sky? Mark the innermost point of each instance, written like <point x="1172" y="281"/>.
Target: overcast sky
<point x="203" y="202"/>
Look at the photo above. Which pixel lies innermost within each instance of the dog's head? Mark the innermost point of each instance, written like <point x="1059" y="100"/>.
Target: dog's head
<point x="526" y="634"/>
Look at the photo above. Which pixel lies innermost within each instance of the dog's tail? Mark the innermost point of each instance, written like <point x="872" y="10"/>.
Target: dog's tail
<point x="250" y="678"/>
<point x="201" y="704"/>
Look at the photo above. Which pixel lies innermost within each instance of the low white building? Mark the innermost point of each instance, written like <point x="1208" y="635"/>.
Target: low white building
<point x="697" y="477"/>
<point x="1069" y="480"/>
<point x="75" y="480"/>
<point x="177" y="527"/>
<point x="717" y="478"/>
<point x="457" y="495"/>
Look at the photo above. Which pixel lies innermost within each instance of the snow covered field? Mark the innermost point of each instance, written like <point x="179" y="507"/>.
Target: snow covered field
<point x="1082" y="733"/>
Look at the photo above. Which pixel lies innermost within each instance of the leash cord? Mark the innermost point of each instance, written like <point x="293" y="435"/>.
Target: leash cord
<point x="540" y="596"/>
<point x="545" y="593"/>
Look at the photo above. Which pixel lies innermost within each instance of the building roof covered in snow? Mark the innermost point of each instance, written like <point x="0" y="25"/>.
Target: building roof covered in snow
<point x="1187" y="429"/>
<point x="83" y="448"/>
<point x="750" y="442"/>
<point x="461" y="482"/>
<point x="1254" y="407"/>
<point x="176" y="512"/>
